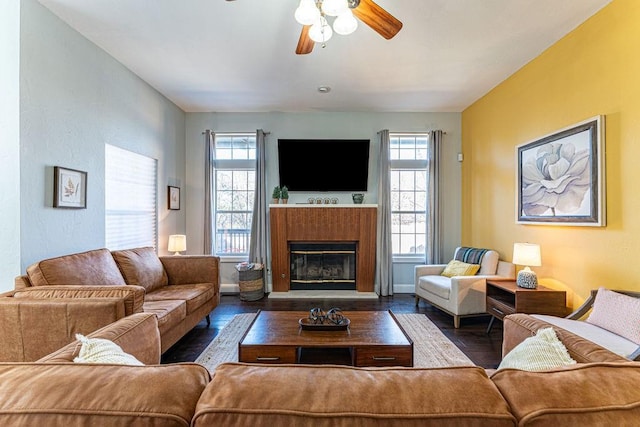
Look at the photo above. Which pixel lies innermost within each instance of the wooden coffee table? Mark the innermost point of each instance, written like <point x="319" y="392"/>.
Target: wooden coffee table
<point x="374" y="338"/>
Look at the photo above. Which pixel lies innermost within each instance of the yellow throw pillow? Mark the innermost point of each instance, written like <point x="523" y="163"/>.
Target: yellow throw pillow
<point x="459" y="268"/>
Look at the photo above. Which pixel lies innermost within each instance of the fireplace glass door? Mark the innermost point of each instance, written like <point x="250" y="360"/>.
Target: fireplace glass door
<point x="323" y="266"/>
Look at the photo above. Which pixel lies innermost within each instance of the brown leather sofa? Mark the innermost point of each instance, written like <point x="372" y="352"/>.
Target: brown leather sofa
<point x="82" y="292"/>
<point x="55" y="392"/>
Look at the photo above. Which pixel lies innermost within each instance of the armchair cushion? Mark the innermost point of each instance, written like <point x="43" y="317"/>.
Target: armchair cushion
<point x="617" y="313"/>
<point x="459" y="268"/>
<point x="487" y="258"/>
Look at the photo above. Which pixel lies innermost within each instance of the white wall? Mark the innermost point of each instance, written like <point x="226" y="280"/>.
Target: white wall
<point x="74" y="99"/>
<point x="322" y="125"/>
<point x="9" y="142"/>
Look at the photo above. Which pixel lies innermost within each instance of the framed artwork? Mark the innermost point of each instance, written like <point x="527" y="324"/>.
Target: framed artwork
<point x="174" y="198"/>
<point x="69" y="188"/>
<point x="561" y="177"/>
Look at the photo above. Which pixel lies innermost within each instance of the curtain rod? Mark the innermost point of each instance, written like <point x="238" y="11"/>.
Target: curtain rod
<point x="266" y="133"/>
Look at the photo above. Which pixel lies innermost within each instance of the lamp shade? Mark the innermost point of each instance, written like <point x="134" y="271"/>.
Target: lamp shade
<point x="527" y="254"/>
<point x="177" y="243"/>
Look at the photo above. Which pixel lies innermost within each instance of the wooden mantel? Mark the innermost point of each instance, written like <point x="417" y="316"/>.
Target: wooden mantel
<point x="323" y="223"/>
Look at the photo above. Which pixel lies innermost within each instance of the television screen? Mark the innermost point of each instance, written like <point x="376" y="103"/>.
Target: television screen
<point x="329" y="165"/>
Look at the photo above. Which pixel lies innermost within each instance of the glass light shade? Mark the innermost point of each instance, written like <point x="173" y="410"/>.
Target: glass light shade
<point x="320" y="31"/>
<point x="345" y="23"/>
<point x="307" y="13"/>
<point x="527" y="254"/>
<point x="177" y="243"/>
<point x="335" y="7"/>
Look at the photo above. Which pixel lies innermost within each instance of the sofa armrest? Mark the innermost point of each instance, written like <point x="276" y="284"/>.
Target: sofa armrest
<point x="428" y="270"/>
<point x="72" y="394"/>
<point x="517" y="327"/>
<point x="137" y="335"/>
<point x="189" y="269"/>
<point x="33" y="328"/>
<point x="506" y="270"/>
<point x="133" y="296"/>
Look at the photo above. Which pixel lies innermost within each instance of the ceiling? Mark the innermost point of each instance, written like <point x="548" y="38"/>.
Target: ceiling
<point x="239" y="56"/>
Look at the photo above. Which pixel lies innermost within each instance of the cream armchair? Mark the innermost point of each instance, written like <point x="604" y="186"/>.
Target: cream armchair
<point x="460" y="296"/>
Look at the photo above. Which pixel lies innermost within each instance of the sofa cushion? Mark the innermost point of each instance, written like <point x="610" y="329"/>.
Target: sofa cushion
<point x="194" y="295"/>
<point x="327" y="396"/>
<point x="537" y="353"/>
<point x="437" y="285"/>
<point x="95" y="267"/>
<point x="100" y="350"/>
<point x="141" y="267"/>
<point x="70" y="394"/>
<point x="589" y="394"/>
<point x="169" y="312"/>
<point x="612" y="342"/>
<point x="459" y="268"/>
<point x="617" y="313"/>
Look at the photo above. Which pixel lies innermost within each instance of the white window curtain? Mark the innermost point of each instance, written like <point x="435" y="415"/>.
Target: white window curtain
<point x="434" y="249"/>
<point x="384" y="251"/>
<point x="131" y="199"/>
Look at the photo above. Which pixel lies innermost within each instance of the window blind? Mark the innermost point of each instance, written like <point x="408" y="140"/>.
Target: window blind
<point x="131" y="199"/>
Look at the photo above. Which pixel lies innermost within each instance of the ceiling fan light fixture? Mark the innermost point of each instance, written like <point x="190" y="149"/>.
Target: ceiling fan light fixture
<point x="320" y="31"/>
<point x="345" y="23"/>
<point x="334" y="7"/>
<point x="307" y="12"/>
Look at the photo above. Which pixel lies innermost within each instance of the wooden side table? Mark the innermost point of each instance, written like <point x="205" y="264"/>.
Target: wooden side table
<point x="506" y="297"/>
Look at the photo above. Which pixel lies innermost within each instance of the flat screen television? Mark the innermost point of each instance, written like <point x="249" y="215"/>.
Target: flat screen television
<point x="327" y="165"/>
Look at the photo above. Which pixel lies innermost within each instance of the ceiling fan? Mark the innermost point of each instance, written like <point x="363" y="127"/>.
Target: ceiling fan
<point x="366" y="11"/>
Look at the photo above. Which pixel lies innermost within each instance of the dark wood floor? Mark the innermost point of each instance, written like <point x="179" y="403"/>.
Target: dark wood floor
<point x="482" y="348"/>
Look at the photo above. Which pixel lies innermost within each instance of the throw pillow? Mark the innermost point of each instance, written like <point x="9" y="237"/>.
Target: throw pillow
<point x="459" y="268"/>
<point x="99" y="350"/>
<point x="617" y="313"/>
<point x="542" y="351"/>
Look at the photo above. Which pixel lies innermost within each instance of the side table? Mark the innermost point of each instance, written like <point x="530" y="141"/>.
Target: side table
<point x="506" y="297"/>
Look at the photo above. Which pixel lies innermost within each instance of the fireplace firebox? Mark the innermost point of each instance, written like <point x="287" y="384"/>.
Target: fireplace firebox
<point x="323" y="266"/>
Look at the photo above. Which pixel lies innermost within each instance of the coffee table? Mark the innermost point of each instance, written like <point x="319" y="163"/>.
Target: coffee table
<point x="374" y="338"/>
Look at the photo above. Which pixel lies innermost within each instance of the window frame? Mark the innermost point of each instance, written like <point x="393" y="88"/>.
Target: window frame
<point x="409" y="165"/>
<point x="227" y="164"/>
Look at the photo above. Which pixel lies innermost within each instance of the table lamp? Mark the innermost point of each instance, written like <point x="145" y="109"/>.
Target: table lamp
<point x="177" y="243"/>
<point x="527" y="254"/>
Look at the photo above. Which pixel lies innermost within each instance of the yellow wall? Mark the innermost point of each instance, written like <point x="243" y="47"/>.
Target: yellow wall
<point x="594" y="70"/>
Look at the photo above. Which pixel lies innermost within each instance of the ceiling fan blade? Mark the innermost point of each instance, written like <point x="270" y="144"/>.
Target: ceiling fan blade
<point x="305" y="44"/>
<point x="381" y="21"/>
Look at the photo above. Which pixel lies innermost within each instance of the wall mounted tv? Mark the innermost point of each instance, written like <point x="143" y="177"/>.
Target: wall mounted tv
<point x="328" y="165"/>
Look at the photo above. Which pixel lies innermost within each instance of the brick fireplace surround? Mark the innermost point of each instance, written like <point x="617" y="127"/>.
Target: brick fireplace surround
<point x="318" y="224"/>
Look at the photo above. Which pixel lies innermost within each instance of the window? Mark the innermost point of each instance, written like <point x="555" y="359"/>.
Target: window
<point x="130" y="199"/>
<point x="408" y="193"/>
<point x="234" y="164"/>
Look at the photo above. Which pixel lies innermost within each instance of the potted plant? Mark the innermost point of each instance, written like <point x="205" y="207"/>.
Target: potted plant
<point x="284" y="194"/>
<point x="276" y="195"/>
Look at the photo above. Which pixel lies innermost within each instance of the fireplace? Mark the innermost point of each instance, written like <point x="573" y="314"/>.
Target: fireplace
<point x="322" y="266"/>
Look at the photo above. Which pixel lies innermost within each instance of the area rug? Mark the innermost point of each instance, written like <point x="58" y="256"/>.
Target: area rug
<point x="431" y="348"/>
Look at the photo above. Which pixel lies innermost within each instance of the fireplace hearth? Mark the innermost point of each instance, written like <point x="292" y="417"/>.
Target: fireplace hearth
<point x="321" y="266"/>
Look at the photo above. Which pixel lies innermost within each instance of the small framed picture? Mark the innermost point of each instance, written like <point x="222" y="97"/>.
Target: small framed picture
<point x="69" y="188"/>
<point x="174" y="198"/>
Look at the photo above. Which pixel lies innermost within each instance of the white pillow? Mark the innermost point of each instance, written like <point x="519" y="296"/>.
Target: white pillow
<point x="98" y="350"/>
<point x="537" y="353"/>
<point x="617" y="313"/>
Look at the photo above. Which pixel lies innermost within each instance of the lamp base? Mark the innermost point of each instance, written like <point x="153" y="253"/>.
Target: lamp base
<point x="527" y="279"/>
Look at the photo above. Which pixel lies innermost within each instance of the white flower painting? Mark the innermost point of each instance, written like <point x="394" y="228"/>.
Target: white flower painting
<point x="560" y="178"/>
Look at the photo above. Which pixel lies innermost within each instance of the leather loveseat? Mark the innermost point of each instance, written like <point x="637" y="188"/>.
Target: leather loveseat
<point x="55" y="392"/>
<point x="79" y="293"/>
